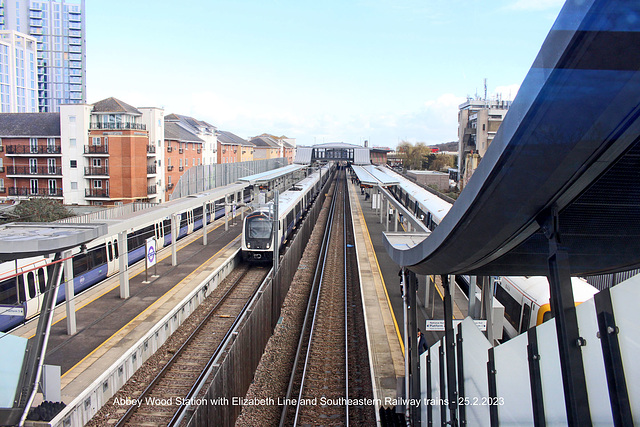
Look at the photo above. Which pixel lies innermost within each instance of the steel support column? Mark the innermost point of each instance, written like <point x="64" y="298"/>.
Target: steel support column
<point x="411" y="290"/>
<point x="569" y="339"/>
<point x="450" y="353"/>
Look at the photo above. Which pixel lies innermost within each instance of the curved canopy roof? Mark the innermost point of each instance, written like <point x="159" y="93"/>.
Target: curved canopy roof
<point x="569" y="143"/>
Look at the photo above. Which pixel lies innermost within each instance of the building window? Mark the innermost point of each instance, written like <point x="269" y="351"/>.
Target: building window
<point x="72" y="142"/>
<point x="97" y="183"/>
<point x="52" y="187"/>
<point x="33" y="166"/>
<point x="74" y="164"/>
<point x="34" y="186"/>
<point x="72" y="119"/>
<point x="74" y="185"/>
<point x="97" y="162"/>
<point x="2" y="184"/>
<point x="51" y="163"/>
<point x="33" y="145"/>
<point x="95" y="140"/>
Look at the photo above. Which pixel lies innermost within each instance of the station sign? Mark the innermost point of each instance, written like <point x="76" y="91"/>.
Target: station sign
<point x="438" y="324"/>
<point x="152" y="255"/>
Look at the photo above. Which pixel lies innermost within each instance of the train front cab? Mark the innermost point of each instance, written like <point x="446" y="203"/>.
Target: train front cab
<point x="258" y="243"/>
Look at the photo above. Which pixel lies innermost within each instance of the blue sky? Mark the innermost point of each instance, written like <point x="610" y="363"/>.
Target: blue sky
<point x="326" y="71"/>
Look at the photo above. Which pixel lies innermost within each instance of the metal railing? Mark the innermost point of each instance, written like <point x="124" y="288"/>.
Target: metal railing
<point x="28" y="191"/>
<point x="96" y="149"/>
<point x="151" y="148"/>
<point x="151" y="169"/>
<point x="152" y="189"/>
<point x="95" y="192"/>
<point x="34" y="170"/>
<point x="118" y="126"/>
<point x="96" y="170"/>
<point x="34" y="149"/>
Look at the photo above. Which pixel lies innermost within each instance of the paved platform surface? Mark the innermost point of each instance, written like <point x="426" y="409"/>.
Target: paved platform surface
<point x="107" y="326"/>
<point x="381" y="291"/>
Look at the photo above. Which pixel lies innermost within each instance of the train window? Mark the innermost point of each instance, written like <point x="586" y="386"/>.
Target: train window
<point x="80" y="264"/>
<point x="110" y="251"/>
<point x="31" y="283"/>
<point x="99" y="256"/>
<point x="546" y="316"/>
<point x="526" y="318"/>
<point x="8" y="291"/>
<point x="115" y="248"/>
<point x="42" y="281"/>
<point x="511" y="307"/>
<point x="167" y="227"/>
<point x="197" y="212"/>
<point x="183" y="220"/>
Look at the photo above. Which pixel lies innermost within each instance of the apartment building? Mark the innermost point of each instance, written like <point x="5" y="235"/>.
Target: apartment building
<point x="58" y="27"/>
<point x="230" y="147"/>
<point x="206" y="132"/>
<point x="478" y="122"/>
<point x="18" y="83"/>
<point x="30" y="155"/>
<point x="184" y="151"/>
<point x="265" y="147"/>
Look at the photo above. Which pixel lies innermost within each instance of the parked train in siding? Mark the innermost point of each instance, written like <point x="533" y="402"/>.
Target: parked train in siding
<point x="22" y="282"/>
<point x="257" y="229"/>
<point x="525" y="299"/>
<point x="427" y="207"/>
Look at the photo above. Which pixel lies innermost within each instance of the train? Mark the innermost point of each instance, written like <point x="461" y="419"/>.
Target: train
<point x="525" y="299"/>
<point x="23" y="281"/>
<point x="426" y="206"/>
<point x="258" y="238"/>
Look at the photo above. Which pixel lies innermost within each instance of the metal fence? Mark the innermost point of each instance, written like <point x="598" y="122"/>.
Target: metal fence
<point x="234" y="375"/>
<point x="206" y="177"/>
<point x="604" y="281"/>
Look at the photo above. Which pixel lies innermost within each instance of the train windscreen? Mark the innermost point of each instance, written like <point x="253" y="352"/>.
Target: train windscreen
<point x="259" y="227"/>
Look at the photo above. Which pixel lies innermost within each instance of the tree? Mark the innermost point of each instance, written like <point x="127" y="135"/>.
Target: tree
<point x="40" y="209"/>
<point x="413" y="155"/>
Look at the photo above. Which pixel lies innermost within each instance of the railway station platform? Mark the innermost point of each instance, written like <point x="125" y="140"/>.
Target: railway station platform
<point x="381" y="294"/>
<point x="108" y="326"/>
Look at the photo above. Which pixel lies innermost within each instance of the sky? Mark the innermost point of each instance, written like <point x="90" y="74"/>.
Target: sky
<point x="385" y="71"/>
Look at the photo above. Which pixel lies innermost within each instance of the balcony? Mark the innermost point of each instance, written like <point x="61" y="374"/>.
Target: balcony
<point x="96" y="192"/>
<point x="151" y="170"/>
<point x="199" y="150"/>
<point x="181" y="168"/>
<point x="31" y="149"/>
<point x="169" y="168"/>
<point x="169" y="149"/>
<point x="3" y="190"/>
<point x="96" y="170"/>
<point x="96" y="149"/>
<point x="181" y="150"/>
<point x="118" y="126"/>
<point x="151" y="149"/>
<point x="38" y="170"/>
<point x="152" y="189"/>
<point x="31" y="192"/>
<point x="169" y="186"/>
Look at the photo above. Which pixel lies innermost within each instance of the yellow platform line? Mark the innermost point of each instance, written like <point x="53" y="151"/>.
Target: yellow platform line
<point x="384" y="285"/>
<point x="146" y="309"/>
<point x="131" y="277"/>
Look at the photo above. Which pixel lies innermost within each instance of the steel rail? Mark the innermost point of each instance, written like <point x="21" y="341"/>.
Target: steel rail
<point x="130" y="411"/>
<point x="311" y="307"/>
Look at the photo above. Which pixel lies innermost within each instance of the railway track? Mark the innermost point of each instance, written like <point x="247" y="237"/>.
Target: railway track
<point x="327" y="380"/>
<point x="174" y="375"/>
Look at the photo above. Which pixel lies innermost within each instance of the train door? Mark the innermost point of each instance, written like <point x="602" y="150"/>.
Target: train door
<point x="32" y="295"/>
<point x="526" y="317"/>
<point x="159" y="234"/>
<point x="112" y="255"/>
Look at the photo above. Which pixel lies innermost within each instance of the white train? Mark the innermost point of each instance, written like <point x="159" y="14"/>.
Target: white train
<point x="526" y="300"/>
<point x="22" y="282"/>
<point x="426" y="206"/>
<point x="257" y="229"/>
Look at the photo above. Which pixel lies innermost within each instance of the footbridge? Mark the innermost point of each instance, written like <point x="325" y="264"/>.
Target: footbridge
<point x="557" y="195"/>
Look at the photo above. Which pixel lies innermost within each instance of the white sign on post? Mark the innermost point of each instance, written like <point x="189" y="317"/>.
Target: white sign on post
<point x="151" y="251"/>
<point x="438" y="325"/>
